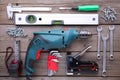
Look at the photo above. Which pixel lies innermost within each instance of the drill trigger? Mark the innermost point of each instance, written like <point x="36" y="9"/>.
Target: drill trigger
<point x="38" y="54"/>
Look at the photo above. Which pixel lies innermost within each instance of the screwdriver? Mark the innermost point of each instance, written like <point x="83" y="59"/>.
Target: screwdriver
<point x="85" y="8"/>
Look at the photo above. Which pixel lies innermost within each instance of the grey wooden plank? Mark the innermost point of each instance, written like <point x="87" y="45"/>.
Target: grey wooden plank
<point x="62" y="78"/>
<point x="62" y="2"/>
<point x="76" y="45"/>
<point x="40" y="66"/>
<point x="56" y="4"/>
<point x="8" y="41"/>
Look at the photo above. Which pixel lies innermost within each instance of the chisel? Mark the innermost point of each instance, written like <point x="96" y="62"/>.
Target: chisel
<point x="85" y="8"/>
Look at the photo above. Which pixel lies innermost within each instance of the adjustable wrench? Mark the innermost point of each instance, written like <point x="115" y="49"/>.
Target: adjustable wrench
<point x="111" y="29"/>
<point x="99" y="30"/>
<point x="104" y="54"/>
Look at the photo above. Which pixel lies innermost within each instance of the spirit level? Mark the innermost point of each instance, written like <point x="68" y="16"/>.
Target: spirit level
<point x="55" y="19"/>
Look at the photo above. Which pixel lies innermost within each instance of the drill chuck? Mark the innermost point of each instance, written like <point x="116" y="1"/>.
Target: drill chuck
<point x="83" y="34"/>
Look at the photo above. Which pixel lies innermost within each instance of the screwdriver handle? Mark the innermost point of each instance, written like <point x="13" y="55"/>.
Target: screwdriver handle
<point x="88" y="8"/>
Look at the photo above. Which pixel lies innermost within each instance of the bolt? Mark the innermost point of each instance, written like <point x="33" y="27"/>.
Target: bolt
<point x="104" y="10"/>
<point x="104" y="18"/>
<point x="114" y="11"/>
<point x="109" y="14"/>
<point x="16" y="32"/>
<point x="113" y="17"/>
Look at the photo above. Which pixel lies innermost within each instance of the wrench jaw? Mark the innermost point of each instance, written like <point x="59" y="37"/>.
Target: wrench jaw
<point x="99" y="28"/>
<point x="111" y="28"/>
<point x="98" y="57"/>
<point x="111" y="57"/>
<point x="105" y="38"/>
<point x="104" y="73"/>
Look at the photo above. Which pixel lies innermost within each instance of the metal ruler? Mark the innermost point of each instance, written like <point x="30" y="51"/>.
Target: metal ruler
<point x="12" y="9"/>
<point x="55" y="19"/>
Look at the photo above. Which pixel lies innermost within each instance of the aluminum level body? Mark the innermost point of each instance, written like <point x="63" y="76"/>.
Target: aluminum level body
<point x="53" y="19"/>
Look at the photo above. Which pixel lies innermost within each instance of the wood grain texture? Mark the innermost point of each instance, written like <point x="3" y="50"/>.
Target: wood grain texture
<point x="41" y="65"/>
<point x="56" y="4"/>
<point x="76" y="45"/>
<point x="113" y="72"/>
<point x="62" y="78"/>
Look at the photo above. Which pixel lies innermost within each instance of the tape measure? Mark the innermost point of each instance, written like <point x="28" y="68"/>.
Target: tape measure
<point x="15" y="66"/>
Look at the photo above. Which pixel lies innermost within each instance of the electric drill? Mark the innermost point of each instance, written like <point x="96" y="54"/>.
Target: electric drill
<point x="50" y="40"/>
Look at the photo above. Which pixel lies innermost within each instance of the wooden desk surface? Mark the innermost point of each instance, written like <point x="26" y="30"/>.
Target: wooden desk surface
<point x="113" y="72"/>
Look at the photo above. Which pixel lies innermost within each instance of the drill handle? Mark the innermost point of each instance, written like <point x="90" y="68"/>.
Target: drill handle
<point x="33" y="54"/>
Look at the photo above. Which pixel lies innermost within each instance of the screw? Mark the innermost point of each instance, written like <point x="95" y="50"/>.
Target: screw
<point x="109" y="14"/>
<point x="16" y="32"/>
<point x="104" y="18"/>
<point x="114" y="11"/>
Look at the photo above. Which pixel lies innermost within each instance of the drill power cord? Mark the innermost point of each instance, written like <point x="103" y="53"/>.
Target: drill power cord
<point x="8" y="56"/>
